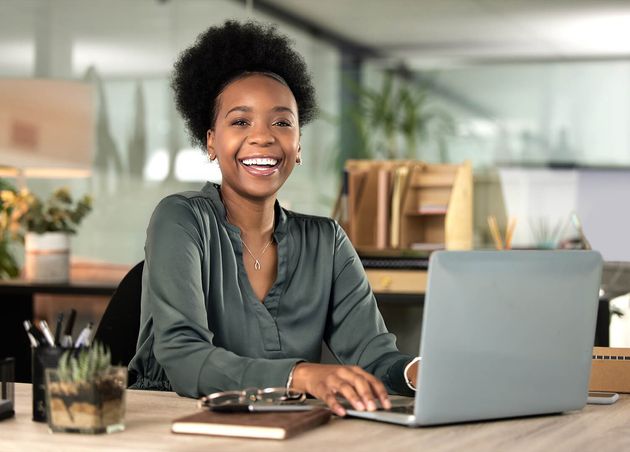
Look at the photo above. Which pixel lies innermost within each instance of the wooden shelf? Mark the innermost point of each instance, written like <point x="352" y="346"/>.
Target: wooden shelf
<point x="438" y="185"/>
<point x="441" y="179"/>
<point x="385" y="201"/>
<point x="421" y="214"/>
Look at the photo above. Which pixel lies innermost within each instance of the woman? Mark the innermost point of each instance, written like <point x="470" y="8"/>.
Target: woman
<point x="238" y="292"/>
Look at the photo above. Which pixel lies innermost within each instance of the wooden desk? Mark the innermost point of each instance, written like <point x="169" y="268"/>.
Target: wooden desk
<point x="404" y="282"/>
<point x="400" y="297"/>
<point x="596" y="428"/>
<point x="16" y="305"/>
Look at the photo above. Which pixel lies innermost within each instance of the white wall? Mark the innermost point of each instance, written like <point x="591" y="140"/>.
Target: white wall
<point x="539" y="112"/>
<point x="598" y="197"/>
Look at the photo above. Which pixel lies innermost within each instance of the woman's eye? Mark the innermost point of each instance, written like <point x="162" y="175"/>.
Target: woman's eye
<point x="239" y="122"/>
<point x="282" y="124"/>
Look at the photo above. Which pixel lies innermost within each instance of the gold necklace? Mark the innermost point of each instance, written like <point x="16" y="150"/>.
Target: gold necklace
<point x="257" y="265"/>
<point x="256" y="261"/>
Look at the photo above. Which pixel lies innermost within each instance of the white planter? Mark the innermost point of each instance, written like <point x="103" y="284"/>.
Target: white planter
<point x="47" y="257"/>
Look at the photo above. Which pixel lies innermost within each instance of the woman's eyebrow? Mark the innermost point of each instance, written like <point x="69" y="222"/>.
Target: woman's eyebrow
<point x="246" y="109"/>
<point x="281" y="108"/>
<point x="242" y="108"/>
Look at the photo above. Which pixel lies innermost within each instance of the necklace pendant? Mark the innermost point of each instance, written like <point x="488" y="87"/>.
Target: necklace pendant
<point x="257" y="264"/>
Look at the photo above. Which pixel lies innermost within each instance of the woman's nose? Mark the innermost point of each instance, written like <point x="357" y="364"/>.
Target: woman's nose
<point x="262" y="135"/>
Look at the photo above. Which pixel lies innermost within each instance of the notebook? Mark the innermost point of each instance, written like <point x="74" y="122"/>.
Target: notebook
<point x="272" y="425"/>
<point x="504" y="334"/>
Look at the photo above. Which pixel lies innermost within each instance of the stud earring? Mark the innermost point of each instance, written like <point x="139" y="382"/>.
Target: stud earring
<point x="211" y="157"/>
<point x="299" y="161"/>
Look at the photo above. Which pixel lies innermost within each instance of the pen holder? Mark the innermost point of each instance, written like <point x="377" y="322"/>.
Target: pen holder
<point x="7" y="391"/>
<point x="42" y="358"/>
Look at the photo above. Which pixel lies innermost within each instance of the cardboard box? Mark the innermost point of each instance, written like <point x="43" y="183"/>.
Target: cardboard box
<point x="610" y="370"/>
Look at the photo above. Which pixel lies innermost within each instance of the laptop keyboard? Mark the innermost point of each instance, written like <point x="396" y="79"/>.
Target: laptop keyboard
<point x="404" y="409"/>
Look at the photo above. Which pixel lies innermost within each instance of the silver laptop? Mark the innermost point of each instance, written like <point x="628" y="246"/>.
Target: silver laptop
<point x="504" y="334"/>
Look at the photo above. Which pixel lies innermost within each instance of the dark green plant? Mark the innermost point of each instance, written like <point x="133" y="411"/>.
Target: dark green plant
<point x="88" y="365"/>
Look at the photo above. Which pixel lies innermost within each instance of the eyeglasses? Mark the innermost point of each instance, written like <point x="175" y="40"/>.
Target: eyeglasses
<point x="247" y="398"/>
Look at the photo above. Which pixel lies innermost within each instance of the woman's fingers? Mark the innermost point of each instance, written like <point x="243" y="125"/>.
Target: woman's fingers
<point x="326" y="382"/>
<point x="331" y="400"/>
<point x="378" y="388"/>
<point x="371" y="388"/>
<point x="348" y="391"/>
<point x="363" y="386"/>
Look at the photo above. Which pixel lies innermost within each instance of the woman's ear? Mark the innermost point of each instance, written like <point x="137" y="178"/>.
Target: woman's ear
<point x="298" y="158"/>
<point x="210" y="145"/>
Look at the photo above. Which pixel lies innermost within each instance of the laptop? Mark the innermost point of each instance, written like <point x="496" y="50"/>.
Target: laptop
<point x="504" y="334"/>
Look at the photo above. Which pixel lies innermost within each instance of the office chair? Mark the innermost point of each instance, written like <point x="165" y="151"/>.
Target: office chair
<point x="120" y="325"/>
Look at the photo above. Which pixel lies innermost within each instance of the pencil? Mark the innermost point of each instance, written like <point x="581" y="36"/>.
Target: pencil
<point x="494" y="230"/>
<point x="509" y="233"/>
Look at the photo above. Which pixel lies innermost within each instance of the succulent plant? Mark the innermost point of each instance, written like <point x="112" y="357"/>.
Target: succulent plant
<point x="87" y="365"/>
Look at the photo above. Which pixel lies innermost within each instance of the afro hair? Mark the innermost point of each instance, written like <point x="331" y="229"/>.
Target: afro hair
<point x="222" y="54"/>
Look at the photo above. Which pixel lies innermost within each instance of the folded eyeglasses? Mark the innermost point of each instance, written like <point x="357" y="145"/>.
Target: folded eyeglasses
<point x="255" y="399"/>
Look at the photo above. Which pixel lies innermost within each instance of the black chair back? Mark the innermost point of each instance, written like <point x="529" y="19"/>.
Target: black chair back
<point x="120" y="325"/>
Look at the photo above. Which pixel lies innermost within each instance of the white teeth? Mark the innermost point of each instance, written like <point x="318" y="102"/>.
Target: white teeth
<point x="260" y="162"/>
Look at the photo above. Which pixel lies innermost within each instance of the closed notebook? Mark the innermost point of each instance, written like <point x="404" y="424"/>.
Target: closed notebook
<point x="275" y="425"/>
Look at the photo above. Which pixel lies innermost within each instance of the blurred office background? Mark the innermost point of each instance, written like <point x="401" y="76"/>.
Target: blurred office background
<point x="535" y="94"/>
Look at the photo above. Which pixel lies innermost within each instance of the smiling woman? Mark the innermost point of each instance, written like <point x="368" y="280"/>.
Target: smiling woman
<point x="238" y="292"/>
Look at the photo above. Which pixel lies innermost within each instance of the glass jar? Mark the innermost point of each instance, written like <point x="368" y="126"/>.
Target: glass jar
<point x="96" y="406"/>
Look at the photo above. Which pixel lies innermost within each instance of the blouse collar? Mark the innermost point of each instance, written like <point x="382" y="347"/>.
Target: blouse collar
<point x="213" y="191"/>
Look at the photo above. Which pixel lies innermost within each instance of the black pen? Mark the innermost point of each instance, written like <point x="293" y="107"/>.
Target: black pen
<point x="67" y="341"/>
<point x="58" y="328"/>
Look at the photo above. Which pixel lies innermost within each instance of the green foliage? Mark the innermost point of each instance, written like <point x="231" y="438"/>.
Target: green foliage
<point x="4" y="185"/>
<point x="8" y="265"/>
<point x="88" y="365"/>
<point x="22" y="211"/>
<point x="400" y="112"/>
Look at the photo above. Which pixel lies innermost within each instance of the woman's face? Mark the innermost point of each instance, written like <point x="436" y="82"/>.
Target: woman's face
<point x="256" y="135"/>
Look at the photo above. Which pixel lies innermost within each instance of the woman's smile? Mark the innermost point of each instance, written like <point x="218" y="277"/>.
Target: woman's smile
<point x="261" y="166"/>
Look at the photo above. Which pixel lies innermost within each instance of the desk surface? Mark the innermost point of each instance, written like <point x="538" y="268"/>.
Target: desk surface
<point x="149" y="415"/>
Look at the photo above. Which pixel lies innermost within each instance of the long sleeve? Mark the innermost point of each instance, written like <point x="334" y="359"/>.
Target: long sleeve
<point x="355" y="330"/>
<point x="174" y="295"/>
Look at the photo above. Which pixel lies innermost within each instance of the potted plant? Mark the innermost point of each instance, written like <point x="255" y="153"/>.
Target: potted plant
<point x="45" y="228"/>
<point x="85" y="393"/>
<point x="399" y="111"/>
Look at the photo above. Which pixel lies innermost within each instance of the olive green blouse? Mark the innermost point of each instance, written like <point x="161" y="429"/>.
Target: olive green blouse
<point x="202" y="328"/>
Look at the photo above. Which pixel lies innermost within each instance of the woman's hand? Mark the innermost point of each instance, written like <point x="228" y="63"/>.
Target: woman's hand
<point x="326" y="381"/>
<point x="412" y="374"/>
